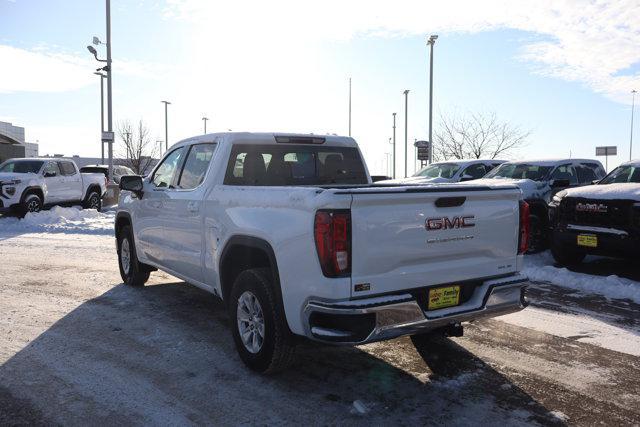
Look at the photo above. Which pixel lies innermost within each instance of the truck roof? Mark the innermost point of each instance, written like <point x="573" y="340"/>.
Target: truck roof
<point x="269" y="138"/>
<point x="552" y="162"/>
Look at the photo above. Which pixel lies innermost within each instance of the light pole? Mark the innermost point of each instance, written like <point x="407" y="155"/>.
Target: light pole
<point x="633" y="104"/>
<point x="349" y="106"/>
<point x="406" y="123"/>
<point x="102" y="77"/>
<point x="204" y="119"/>
<point x="431" y="41"/>
<point x="394" y="146"/>
<point x="107" y="68"/>
<point x="166" y="126"/>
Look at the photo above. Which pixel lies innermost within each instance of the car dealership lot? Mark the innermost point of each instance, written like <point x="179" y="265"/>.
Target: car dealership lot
<point x="77" y="346"/>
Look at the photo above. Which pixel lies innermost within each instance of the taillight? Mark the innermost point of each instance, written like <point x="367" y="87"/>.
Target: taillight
<point x="332" y="232"/>
<point x="523" y="240"/>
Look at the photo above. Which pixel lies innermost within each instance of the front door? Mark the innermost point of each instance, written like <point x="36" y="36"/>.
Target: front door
<point x="183" y="214"/>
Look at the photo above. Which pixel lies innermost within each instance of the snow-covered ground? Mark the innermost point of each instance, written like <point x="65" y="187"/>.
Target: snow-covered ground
<point x="72" y="220"/>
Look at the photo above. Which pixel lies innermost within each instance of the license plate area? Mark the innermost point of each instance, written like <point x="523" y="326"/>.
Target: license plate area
<point x="587" y="240"/>
<point x="442" y="297"/>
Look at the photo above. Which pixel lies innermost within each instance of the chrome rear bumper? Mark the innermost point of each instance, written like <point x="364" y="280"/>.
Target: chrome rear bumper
<point x="374" y="319"/>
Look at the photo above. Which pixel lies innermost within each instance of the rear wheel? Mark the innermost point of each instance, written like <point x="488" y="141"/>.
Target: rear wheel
<point x="93" y="201"/>
<point x="133" y="272"/>
<point x="259" y="328"/>
<point x="566" y="256"/>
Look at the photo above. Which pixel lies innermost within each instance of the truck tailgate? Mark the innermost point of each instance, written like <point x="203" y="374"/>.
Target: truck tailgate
<point x="403" y="239"/>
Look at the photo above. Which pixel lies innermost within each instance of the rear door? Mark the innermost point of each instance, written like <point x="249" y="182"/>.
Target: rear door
<point x="72" y="181"/>
<point x="415" y="238"/>
<point x="182" y="214"/>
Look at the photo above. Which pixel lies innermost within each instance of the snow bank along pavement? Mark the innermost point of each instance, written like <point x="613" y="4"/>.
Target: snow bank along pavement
<point x="72" y="220"/>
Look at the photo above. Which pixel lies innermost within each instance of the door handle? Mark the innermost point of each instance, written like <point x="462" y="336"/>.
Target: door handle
<point x="156" y="205"/>
<point x="192" y="206"/>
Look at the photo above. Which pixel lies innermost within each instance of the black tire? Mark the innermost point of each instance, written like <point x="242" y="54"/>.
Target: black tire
<point x="135" y="273"/>
<point x="538" y="235"/>
<point x="93" y="201"/>
<point x="276" y="349"/>
<point x="32" y="203"/>
<point x="566" y="256"/>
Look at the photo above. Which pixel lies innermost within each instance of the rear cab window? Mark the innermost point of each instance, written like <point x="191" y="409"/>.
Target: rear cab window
<point x="274" y="165"/>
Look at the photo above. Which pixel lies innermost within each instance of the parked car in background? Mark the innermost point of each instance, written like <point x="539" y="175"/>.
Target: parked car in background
<point x="450" y="171"/>
<point x="118" y="171"/>
<point x="29" y="185"/>
<point x="539" y="180"/>
<point x="602" y="219"/>
<point x="293" y="236"/>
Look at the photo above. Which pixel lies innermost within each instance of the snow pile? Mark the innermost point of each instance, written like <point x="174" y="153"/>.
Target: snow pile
<point x="629" y="191"/>
<point x="540" y="268"/>
<point x="61" y="220"/>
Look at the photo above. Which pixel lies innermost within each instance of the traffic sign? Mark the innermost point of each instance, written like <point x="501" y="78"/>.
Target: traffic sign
<point x="611" y="150"/>
<point x="423" y="149"/>
<point x="107" y="136"/>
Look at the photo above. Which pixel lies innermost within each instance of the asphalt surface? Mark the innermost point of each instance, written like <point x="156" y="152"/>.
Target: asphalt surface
<point x="77" y="347"/>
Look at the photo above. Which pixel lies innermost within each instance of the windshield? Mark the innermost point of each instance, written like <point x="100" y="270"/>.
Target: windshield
<point x="22" y="166"/>
<point x="520" y="171"/>
<point x="622" y="174"/>
<point x="439" y="170"/>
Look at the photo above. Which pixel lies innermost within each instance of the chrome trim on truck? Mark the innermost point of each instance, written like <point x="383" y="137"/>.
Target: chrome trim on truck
<point x="402" y="315"/>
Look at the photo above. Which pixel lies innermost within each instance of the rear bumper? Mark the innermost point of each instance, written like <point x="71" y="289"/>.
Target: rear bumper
<point x="381" y="318"/>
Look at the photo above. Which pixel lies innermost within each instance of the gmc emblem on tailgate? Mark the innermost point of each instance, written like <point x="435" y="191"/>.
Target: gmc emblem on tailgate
<point x="445" y="223"/>
<point x="591" y="207"/>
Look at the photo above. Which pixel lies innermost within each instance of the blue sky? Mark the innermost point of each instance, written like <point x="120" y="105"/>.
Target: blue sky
<point x="562" y="70"/>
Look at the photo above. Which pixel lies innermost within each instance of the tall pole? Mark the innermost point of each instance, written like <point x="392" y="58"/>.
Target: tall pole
<point x="349" y="106"/>
<point x="204" y="119"/>
<point x="166" y="126"/>
<point x="394" y="146"/>
<point x="109" y="88"/>
<point x="633" y="104"/>
<point x="406" y="129"/>
<point x="102" y="77"/>
<point x="431" y="42"/>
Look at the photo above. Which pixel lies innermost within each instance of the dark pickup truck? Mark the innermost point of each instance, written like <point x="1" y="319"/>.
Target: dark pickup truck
<point x="601" y="219"/>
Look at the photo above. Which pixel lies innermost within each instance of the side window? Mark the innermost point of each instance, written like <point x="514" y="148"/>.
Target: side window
<point x="597" y="169"/>
<point x="196" y="165"/>
<point x="67" y="168"/>
<point x="163" y="176"/>
<point x="475" y="171"/>
<point x="51" y="169"/>
<point x="565" y="172"/>
<point x="586" y="174"/>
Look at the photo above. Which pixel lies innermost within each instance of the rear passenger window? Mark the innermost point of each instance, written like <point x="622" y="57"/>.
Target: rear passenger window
<point x="196" y="165"/>
<point x="586" y="175"/>
<point x="475" y="171"/>
<point x="565" y="172"/>
<point x="67" y="168"/>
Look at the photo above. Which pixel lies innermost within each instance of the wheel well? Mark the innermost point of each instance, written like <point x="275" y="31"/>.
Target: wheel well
<point x="121" y="221"/>
<point x="239" y="257"/>
<point x="540" y="210"/>
<point x="32" y="190"/>
<point x="91" y="188"/>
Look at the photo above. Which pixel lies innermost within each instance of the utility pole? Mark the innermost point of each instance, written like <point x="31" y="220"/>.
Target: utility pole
<point x="406" y="124"/>
<point x="394" y="146"/>
<point x="204" y="119"/>
<point x="166" y="126"/>
<point x="431" y="42"/>
<point x="349" y="106"/>
<point x="109" y="89"/>
<point x="633" y="104"/>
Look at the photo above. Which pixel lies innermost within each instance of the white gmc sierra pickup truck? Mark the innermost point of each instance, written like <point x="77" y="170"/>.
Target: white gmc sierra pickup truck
<point x="29" y="185"/>
<point x="290" y="232"/>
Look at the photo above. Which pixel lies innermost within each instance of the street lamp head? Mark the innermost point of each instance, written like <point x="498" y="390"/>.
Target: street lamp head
<point x="96" y="41"/>
<point x="406" y="92"/>
<point x="166" y="102"/>
<point x="432" y="39"/>
<point x="92" y="50"/>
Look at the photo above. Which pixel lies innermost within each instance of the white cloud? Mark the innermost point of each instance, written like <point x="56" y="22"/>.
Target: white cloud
<point x="592" y="42"/>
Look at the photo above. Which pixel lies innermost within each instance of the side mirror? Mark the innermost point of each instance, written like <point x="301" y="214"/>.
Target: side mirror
<point x="560" y="183"/>
<point x="595" y="181"/>
<point x="132" y="183"/>
<point x="466" y="178"/>
<point x="49" y="174"/>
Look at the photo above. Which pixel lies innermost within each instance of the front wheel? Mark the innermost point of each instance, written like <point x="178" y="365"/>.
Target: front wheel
<point x="93" y="201"/>
<point x="32" y="203"/>
<point x="259" y="328"/>
<point x="133" y="272"/>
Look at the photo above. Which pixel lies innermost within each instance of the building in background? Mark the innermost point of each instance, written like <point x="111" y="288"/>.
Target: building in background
<point x="12" y="143"/>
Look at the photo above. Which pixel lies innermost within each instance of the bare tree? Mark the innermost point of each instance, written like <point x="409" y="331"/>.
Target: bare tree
<point x="475" y="136"/>
<point x="138" y="151"/>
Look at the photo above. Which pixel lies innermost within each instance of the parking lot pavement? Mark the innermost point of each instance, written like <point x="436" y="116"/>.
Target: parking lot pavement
<point x="78" y="347"/>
